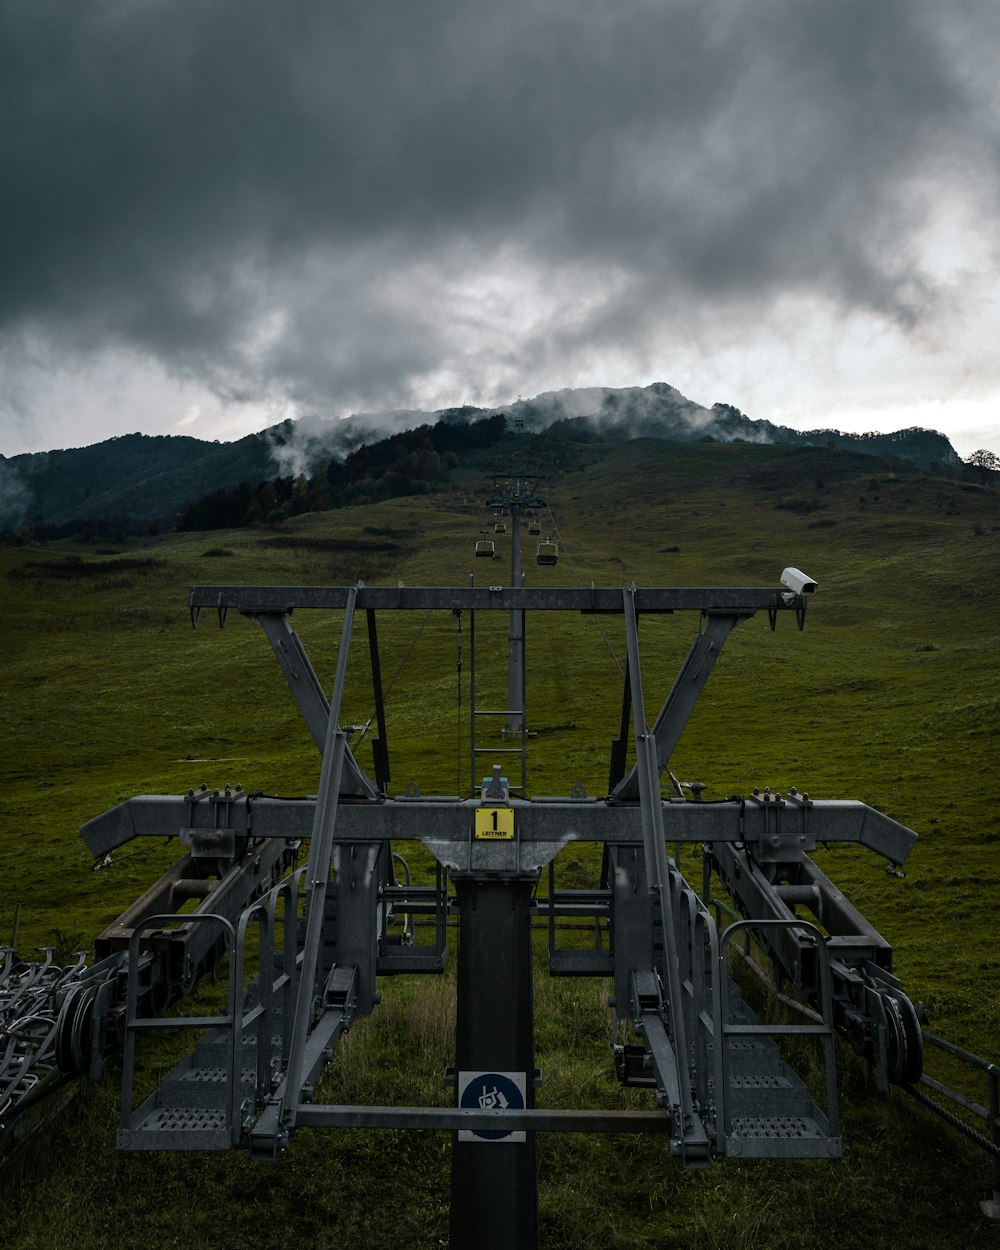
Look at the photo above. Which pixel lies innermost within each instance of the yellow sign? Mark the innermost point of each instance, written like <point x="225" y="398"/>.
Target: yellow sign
<point x="494" y="822"/>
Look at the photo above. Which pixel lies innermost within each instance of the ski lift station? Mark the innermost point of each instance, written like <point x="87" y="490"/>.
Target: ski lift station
<point x="306" y="945"/>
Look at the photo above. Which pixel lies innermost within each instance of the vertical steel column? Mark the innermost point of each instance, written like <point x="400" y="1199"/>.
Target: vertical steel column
<point x="515" y="643"/>
<point x="380" y="746"/>
<point x="524" y="705"/>
<point x="473" y="779"/>
<point x="494" y="1192"/>
<point x="991" y="1208"/>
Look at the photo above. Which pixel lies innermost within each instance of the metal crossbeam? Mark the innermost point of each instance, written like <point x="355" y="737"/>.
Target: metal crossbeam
<point x="435" y="819"/>
<point x="254" y="599"/>
<point x="532" y="1119"/>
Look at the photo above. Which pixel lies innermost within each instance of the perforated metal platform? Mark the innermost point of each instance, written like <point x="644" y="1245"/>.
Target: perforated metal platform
<point x="771" y="1112"/>
<point x="195" y="1105"/>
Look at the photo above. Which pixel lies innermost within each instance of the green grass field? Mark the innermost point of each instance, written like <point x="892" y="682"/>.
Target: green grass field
<point x="890" y="695"/>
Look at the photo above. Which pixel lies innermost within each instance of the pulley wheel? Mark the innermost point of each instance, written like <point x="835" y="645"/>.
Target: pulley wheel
<point x="904" y="1041"/>
<point x="73" y="1041"/>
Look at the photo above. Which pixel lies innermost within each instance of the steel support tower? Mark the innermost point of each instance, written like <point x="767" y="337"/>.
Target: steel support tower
<point x="717" y="1080"/>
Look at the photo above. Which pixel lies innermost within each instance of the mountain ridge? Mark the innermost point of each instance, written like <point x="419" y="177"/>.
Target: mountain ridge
<point x="151" y="479"/>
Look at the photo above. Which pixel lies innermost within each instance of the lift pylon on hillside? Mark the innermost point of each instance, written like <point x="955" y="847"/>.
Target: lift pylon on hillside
<point x="515" y="495"/>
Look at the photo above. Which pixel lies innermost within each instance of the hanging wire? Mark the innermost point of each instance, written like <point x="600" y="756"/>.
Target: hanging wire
<point x="409" y="651"/>
<point x="579" y="581"/>
<point x="458" y="682"/>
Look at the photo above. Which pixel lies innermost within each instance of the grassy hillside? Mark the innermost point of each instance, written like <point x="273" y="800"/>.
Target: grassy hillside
<point x="890" y="695"/>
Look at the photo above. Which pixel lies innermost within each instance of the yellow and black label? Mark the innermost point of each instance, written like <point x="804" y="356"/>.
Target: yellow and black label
<point x="495" y="822"/>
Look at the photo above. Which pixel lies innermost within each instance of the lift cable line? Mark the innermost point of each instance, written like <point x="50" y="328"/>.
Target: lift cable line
<point x="579" y="581"/>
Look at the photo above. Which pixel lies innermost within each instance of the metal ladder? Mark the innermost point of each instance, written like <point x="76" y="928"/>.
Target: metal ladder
<point x="197" y="1107"/>
<point x="769" y="1112"/>
<point x="210" y="1099"/>
<point x="476" y="714"/>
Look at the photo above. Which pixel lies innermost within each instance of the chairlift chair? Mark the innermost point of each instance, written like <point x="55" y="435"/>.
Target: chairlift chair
<point x="547" y="551"/>
<point x="534" y="525"/>
<point x="485" y="547"/>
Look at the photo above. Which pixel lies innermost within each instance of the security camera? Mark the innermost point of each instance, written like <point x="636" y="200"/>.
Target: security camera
<point x="797" y="582"/>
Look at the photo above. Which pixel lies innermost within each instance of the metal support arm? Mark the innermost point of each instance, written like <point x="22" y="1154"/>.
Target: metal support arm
<point x="305" y="686"/>
<point x="680" y="702"/>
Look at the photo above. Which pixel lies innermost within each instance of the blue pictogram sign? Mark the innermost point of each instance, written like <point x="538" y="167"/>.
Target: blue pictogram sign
<point x="491" y="1091"/>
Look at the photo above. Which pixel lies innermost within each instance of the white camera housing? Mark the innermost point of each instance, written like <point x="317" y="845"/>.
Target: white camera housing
<point x="797" y="582"/>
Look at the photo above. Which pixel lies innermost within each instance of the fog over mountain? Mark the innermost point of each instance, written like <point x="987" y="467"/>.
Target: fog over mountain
<point x="655" y="411"/>
<point x="156" y="477"/>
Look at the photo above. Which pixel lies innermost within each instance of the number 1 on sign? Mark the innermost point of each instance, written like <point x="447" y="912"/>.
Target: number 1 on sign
<point x="494" y="822"/>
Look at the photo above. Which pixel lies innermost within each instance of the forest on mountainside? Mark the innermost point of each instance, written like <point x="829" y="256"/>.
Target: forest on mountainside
<point x="412" y="462"/>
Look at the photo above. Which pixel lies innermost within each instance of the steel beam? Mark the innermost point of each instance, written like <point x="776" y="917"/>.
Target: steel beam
<point x="318" y="870"/>
<point x="308" y="692"/>
<point x="254" y="599"/>
<point x="561" y="820"/>
<point x="454" y="1119"/>
<point x="677" y="1091"/>
<point x="298" y="671"/>
<point x="683" y="696"/>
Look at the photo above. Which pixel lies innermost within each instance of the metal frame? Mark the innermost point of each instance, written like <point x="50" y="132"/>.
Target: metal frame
<point x="697" y="1039"/>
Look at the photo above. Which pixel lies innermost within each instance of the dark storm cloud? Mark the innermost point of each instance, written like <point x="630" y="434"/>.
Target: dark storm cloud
<point x="250" y="191"/>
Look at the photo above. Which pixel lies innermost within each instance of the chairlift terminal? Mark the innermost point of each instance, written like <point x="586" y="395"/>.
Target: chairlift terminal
<point x="326" y="933"/>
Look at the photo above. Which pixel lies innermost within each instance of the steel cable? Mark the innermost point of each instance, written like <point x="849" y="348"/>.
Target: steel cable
<point x="954" y="1120"/>
<point x="579" y="581"/>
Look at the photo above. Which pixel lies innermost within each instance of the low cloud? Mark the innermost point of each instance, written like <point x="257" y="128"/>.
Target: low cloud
<point x="344" y="208"/>
<point x="15" y="497"/>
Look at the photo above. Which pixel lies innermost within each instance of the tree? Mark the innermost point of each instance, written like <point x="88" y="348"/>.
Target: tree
<point x="985" y="463"/>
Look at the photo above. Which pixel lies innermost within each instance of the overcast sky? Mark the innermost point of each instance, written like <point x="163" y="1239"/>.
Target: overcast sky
<point x="218" y="213"/>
